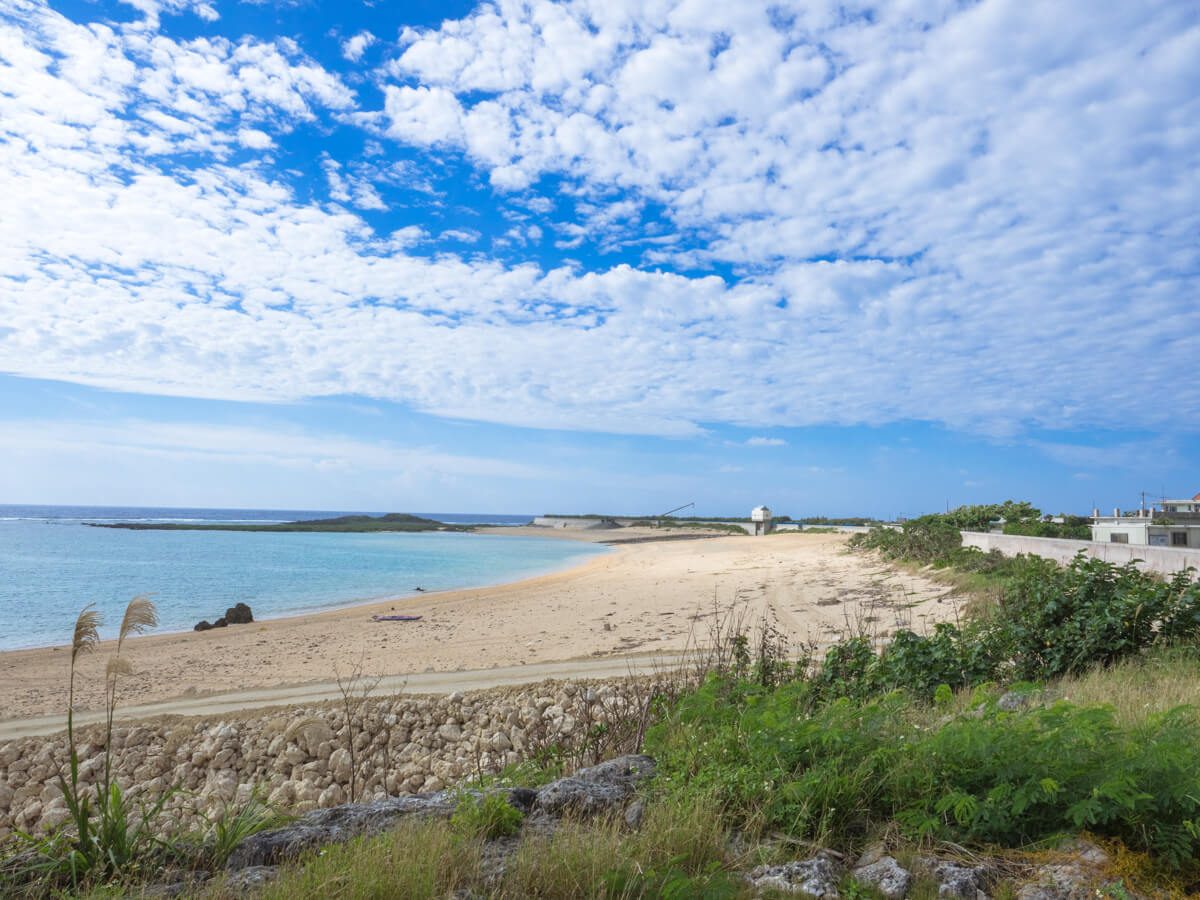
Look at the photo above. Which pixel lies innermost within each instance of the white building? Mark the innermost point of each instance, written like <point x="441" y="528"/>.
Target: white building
<point x="1190" y="507"/>
<point x="760" y="516"/>
<point x="1176" y="523"/>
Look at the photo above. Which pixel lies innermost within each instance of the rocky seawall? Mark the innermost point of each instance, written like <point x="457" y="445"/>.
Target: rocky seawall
<point x="364" y="748"/>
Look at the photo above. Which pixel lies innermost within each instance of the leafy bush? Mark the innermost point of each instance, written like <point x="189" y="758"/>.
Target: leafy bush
<point x="830" y="756"/>
<point x="1012" y="779"/>
<point x="980" y="517"/>
<point x="1049" y="530"/>
<point x="487" y="816"/>
<point x="1059" y="620"/>
<point x="833" y="772"/>
<point x="925" y="540"/>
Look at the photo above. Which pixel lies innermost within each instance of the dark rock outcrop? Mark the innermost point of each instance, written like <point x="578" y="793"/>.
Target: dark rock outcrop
<point x="239" y="615"/>
<point x="599" y="790"/>
<point x="605" y="788"/>
<point x="334" y="826"/>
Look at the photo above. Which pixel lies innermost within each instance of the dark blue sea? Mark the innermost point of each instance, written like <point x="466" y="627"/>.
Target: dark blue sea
<point x="51" y="565"/>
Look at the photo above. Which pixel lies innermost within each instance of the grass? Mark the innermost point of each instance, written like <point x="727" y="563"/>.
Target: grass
<point x="1137" y="688"/>
<point x="235" y="823"/>
<point x="683" y="838"/>
<point x="487" y="817"/>
<point x="418" y="861"/>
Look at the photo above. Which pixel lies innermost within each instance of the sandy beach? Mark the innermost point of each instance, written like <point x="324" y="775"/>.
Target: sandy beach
<point x="642" y="597"/>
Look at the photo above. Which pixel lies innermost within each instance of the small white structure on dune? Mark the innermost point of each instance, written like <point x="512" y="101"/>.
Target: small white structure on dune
<point x="760" y="516"/>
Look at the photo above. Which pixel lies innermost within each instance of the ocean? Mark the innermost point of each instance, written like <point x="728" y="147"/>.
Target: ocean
<point x="52" y="565"/>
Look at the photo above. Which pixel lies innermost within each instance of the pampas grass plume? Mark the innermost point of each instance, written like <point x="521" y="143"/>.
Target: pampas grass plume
<point x="117" y="665"/>
<point x="87" y="634"/>
<point x="140" y="615"/>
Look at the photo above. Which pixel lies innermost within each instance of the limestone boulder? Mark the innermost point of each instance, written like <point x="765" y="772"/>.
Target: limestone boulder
<point x="816" y="877"/>
<point x="887" y="875"/>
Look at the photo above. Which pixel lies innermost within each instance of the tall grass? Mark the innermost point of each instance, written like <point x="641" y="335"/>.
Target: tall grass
<point x="106" y="837"/>
<point x="417" y="861"/>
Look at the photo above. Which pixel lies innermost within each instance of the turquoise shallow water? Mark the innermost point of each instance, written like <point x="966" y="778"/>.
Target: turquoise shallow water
<point x="51" y="565"/>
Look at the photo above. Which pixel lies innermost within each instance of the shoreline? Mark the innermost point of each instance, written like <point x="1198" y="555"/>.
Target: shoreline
<point x="641" y="598"/>
<point x="488" y="530"/>
<point x="135" y="640"/>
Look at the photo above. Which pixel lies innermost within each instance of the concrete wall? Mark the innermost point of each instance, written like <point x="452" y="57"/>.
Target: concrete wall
<point x="1165" y="560"/>
<point x="577" y="523"/>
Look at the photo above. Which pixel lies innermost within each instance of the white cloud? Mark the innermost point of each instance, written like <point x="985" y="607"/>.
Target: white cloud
<point x="356" y="190"/>
<point x="423" y="115"/>
<point x="255" y="139"/>
<point x="354" y="48"/>
<point x="765" y="442"/>
<point x="930" y="213"/>
<point x="242" y="444"/>
<point x="463" y="235"/>
<point x="731" y="469"/>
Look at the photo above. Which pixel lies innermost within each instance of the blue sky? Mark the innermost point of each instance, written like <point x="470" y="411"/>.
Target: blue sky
<point x="840" y="258"/>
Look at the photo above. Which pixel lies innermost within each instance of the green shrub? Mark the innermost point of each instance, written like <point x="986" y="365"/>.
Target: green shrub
<point x="1060" y="620"/>
<point x="1049" y="530"/>
<point x="925" y="540"/>
<point x="831" y="773"/>
<point x="487" y="816"/>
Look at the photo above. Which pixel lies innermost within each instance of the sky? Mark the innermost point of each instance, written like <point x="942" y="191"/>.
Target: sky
<point x="840" y="258"/>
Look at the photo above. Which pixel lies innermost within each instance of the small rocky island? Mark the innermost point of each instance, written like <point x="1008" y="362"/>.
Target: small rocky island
<point x="354" y="524"/>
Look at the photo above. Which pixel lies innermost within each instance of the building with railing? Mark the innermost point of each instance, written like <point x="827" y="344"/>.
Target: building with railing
<point x="1175" y="523"/>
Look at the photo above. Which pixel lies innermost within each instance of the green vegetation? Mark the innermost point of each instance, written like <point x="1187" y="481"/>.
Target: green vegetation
<point x="919" y="739"/>
<point x="1019" y="517"/>
<point x="1074" y="528"/>
<point x="833" y="773"/>
<point x="680" y="852"/>
<point x="351" y="524"/>
<point x="235" y="823"/>
<point x="1048" y="620"/>
<point x="823" y="520"/>
<point x="487" y="816"/>
<point x="981" y="516"/>
<point x="702" y="525"/>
